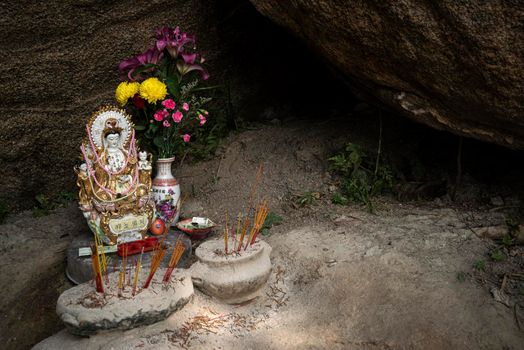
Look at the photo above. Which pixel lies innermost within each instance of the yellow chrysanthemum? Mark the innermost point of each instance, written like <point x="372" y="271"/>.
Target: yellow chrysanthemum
<point x="153" y="90"/>
<point x="125" y="91"/>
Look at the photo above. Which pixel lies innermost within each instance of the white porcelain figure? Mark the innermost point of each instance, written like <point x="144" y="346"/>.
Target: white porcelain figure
<point x="114" y="190"/>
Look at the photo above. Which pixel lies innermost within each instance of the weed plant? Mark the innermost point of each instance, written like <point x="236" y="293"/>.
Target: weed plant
<point x="363" y="176"/>
<point x="45" y="204"/>
<point x="271" y="220"/>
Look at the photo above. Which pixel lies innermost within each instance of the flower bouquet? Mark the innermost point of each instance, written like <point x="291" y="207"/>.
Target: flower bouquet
<point x="160" y="89"/>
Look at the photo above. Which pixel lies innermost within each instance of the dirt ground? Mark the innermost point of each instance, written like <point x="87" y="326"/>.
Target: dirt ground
<point x="400" y="278"/>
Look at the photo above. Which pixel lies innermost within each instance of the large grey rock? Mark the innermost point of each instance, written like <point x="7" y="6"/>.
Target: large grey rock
<point x="85" y="312"/>
<point x="453" y="65"/>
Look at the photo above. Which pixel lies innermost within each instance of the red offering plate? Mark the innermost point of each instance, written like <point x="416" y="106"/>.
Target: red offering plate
<point x="136" y="247"/>
<point x="195" y="232"/>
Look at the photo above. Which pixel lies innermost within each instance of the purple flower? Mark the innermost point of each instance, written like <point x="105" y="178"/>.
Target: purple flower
<point x="128" y="66"/>
<point x="189" y="58"/>
<point x="185" y="67"/>
<point x="173" y="40"/>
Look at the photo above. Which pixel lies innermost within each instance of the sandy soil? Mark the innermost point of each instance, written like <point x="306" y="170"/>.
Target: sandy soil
<point x="356" y="281"/>
<point x="342" y="278"/>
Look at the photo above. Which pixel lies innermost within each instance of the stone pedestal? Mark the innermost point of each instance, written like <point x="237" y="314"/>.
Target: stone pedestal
<point x="233" y="278"/>
<point x="79" y="268"/>
<point x="85" y="312"/>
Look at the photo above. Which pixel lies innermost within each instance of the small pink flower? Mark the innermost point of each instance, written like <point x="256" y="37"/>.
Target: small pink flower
<point x="166" y="124"/>
<point x="151" y="120"/>
<point x="186" y="137"/>
<point x="185" y="107"/>
<point x="177" y="116"/>
<point x="160" y="115"/>
<point x="202" y="119"/>
<point x="169" y="104"/>
<point x="206" y="112"/>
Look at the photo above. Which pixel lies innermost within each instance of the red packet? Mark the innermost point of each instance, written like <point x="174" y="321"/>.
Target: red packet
<point x="136" y="246"/>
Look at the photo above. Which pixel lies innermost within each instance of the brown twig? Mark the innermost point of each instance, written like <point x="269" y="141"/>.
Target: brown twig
<point x="503" y="285"/>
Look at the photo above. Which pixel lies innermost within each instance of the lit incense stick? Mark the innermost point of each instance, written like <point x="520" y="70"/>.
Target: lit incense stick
<point x="178" y="251"/>
<point x="226" y="233"/>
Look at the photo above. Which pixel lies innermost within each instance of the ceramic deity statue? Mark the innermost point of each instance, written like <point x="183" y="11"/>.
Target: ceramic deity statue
<point x="115" y="186"/>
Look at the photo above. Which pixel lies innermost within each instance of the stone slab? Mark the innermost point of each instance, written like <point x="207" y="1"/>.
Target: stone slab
<point x="85" y="312"/>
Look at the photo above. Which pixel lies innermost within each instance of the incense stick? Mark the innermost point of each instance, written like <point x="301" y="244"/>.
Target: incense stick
<point x="100" y="248"/>
<point x="125" y="266"/>
<point x="261" y="218"/>
<point x="182" y="201"/>
<point x="239" y="218"/>
<point x="226" y="233"/>
<point x="254" y="188"/>
<point x="137" y="271"/>
<point x="243" y="233"/>
<point x="178" y="251"/>
<point x="156" y="260"/>
<point x="122" y="272"/>
<point x="96" y="268"/>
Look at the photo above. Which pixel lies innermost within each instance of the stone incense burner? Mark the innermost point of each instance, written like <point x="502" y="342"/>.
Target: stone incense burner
<point x="232" y="278"/>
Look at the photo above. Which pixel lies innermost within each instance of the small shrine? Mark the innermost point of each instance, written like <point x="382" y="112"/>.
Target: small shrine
<point x="131" y="269"/>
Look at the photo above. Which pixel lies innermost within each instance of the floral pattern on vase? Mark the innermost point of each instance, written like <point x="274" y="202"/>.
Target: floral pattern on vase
<point x="166" y="192"/>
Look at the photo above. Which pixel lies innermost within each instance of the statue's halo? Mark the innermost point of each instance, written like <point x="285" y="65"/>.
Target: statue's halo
<point x="97" y="124"/>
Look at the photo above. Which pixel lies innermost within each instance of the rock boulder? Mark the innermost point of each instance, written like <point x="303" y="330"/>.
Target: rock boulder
<point x="456" y="66"/>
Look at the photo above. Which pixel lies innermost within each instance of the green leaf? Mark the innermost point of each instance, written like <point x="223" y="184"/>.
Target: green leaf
<point x="205" y="88"/>
<point x="151" y="131"/>
<point x="272" y="219"/>
<point x="159" y="141"/>
<point x="143" y="68"/>
<point x="173" y="87"/>
<point x="140" y="127"/>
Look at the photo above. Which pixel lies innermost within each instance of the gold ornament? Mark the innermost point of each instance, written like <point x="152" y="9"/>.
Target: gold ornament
<point x="115" y="188"/>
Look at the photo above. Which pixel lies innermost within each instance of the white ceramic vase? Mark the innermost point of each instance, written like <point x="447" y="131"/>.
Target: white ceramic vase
<point x="166" y="188"/>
